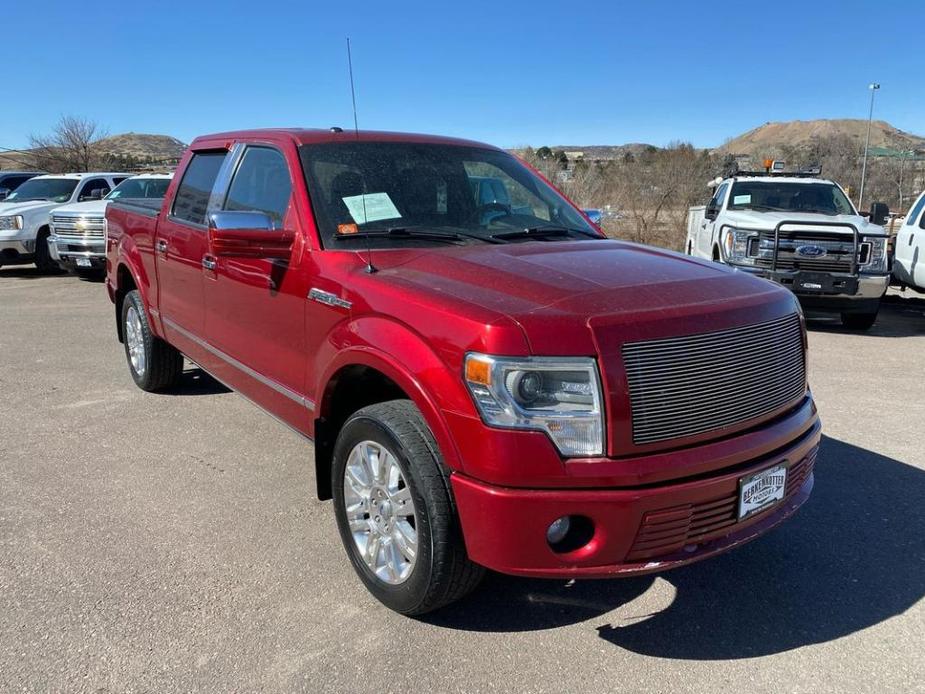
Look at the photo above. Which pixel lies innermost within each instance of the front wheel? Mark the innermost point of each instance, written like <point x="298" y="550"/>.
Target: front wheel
<point x="154" y="364"/>
<point x="43" y="260"/>
<point x="859" y="321"/>
<point x="395" y="512"/>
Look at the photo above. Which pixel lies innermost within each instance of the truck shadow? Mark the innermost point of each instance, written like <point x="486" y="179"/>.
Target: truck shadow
<point x="853" y="557"/>
<point x="26" y="272"/>
<point x="195" y="381"/>
<point x="901" y="315"/>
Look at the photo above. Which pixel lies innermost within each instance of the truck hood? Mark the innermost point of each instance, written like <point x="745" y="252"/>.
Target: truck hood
<point x="92" y="207"/>
<point x="559" y="291"/>
<point x="767" y="221"/>
<point x="27" y="207"/>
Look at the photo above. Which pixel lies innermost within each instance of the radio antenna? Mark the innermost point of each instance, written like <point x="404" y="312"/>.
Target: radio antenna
<point x="370" y="268"/>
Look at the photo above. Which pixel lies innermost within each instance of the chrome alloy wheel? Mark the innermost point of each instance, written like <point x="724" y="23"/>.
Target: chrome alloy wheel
<point x="380" y="512"/>
<point x="134" y="339"/>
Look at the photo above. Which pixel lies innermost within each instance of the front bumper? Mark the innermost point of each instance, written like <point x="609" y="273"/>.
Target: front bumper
<point x="15" y="248"/>
<point x="826" y="287"/>
<point x="635" y="530"/>
<point x="77" y="253"/>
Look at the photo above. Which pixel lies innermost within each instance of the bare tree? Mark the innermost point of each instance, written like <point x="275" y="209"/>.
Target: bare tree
<point x="73" y="145"/>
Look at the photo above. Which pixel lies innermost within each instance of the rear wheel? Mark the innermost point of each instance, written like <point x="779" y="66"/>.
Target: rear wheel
<point x="153" y="363"/>
<point x="395" y="512"/>
<point x="859" y="321"/>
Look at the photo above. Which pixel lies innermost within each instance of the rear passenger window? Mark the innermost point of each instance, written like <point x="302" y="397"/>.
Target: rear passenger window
<point x="261" y="184"/>
<point x="192" y="198"/>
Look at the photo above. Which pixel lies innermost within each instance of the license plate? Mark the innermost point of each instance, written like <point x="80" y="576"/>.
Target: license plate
<point x="84" y="262"/>
<point x="761" y="490"/>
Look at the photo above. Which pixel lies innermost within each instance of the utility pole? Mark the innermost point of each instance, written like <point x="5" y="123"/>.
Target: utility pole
<point x="873" y="86"/>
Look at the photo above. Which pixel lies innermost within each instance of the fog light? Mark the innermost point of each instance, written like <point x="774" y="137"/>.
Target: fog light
<point x="558" y="529"/>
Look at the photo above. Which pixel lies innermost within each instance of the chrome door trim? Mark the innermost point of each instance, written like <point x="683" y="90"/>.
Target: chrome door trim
<point x="278" y="387"/>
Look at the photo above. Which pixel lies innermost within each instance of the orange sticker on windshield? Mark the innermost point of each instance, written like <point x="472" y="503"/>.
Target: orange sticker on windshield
<point x="347" y="228"/>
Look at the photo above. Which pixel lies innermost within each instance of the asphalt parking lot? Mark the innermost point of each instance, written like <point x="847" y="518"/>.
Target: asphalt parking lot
<point x="173" y="543"/>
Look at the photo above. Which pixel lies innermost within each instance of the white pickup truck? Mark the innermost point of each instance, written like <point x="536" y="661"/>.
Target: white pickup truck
<point x="802" y="232"/>
<point x="78" y="234"/>
<point x="909" y="258"/>
<point x="24" y="228"/>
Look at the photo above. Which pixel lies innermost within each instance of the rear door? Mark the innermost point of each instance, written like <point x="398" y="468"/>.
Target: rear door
<point x="255" y="306"/>
<point x="181" y="247"/>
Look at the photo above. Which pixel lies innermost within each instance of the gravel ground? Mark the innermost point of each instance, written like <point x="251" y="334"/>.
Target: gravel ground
<point x="151" y="543"/>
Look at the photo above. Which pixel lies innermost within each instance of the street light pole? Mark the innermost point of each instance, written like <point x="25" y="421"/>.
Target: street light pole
<point x="870" y="116"/>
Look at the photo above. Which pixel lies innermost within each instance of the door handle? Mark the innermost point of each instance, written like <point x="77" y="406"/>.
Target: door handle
<point x="161" y="246"/>
<point x="208" y="262"/>
<point x="703" y="225"/>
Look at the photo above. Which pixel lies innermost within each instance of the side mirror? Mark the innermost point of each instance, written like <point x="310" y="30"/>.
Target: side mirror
<point x="711" y="211"/>
<point x="4" y="192"/>
<point x="248" y="235"/>
<point x="878" y="213"/>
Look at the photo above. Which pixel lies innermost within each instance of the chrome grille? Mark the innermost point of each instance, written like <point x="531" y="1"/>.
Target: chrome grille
<point x="839" y="249"/>
<point x="684" y="386"/>
<point x="83" y="228"/>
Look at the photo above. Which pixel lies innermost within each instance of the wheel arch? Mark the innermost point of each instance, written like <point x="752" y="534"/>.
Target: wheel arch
<point x="364" y="375"/>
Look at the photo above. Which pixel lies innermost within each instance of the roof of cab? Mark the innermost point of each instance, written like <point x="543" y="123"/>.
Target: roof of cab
<point x="305" y="136"/>
<point x="79" y="176"/>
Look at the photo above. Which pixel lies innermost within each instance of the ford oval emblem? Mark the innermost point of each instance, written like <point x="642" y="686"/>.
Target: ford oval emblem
<point x="811" y="251"/>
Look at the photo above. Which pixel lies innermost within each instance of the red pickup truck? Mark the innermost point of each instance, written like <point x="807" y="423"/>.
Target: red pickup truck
<point x="487" y="382"/>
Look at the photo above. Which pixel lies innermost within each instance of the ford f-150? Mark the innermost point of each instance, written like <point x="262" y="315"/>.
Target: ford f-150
<point x="487" y="384"/>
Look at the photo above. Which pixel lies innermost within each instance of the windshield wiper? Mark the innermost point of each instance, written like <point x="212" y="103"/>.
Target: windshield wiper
<point x="416" y="233"/>
<point x="543" y="232"/>
<point x="402" y="233"/>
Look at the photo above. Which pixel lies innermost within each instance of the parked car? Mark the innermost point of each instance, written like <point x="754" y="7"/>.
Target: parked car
<point x="800" y="231"/>
<point x="909" y="258"/>
<point x="11" y="180"/>
<point x="77" y="240"/>
<point x="513" y="392"/>
<point x="24" y="228"/>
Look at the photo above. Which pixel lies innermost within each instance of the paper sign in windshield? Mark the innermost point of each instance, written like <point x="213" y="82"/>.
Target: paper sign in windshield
<point x="371" y="207"/>
<point x="741" y="199"/>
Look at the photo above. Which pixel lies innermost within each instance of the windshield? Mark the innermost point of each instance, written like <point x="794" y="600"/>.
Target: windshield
<point x="467" y="193"/>
<point x="51" y="189"/>
<point x="822" y="198"/>
<point x="140" y="188"/>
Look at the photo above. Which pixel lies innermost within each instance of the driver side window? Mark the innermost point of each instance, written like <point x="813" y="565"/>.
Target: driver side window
<point x="94" y="184"/>
<point x="719" y="196"/>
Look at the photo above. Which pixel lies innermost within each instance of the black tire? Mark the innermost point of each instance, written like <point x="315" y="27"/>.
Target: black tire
<point x="43" y="260"/>
<point x="442" y="572"/>
<point x="859" y="321"/>
<point x="163" y="364"/>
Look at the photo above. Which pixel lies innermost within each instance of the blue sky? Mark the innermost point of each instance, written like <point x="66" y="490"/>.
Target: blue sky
<point x="509" y="73"/>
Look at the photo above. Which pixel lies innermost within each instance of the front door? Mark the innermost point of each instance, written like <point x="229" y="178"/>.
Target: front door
<point x="706" y="236"/>
<point x="255" y="306"/>
<point x="180" y="248"/>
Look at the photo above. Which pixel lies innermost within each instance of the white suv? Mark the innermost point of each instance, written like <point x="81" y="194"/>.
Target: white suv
<point x="24" y="228"/>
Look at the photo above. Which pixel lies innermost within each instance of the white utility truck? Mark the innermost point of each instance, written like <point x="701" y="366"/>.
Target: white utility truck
<point x="909" y="258"/>
<point x="24" y="228"/>
<point x="801" y="231"/>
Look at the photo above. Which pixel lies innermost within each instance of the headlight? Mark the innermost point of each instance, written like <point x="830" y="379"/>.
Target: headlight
<point x="558" y="395"/>
<point x="872" y="255"/>
<point x="740" y="246"/>
<point x="13" y="223"/>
